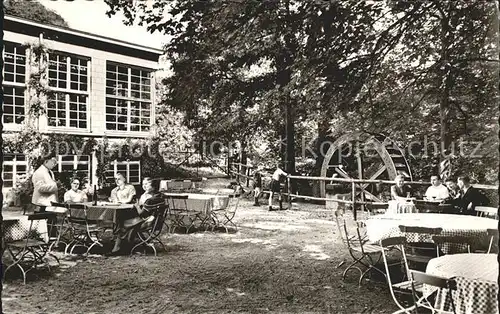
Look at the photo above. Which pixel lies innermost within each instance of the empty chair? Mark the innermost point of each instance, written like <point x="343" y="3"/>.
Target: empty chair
<point x="224" y="217"/>
<point x="30" y="251"/>
<point x="405" y="286"/>
<point x="484" y="211"/>
<point x="84" y="232"/>
<point x="419" y="252"/>
<point x="363" y="253"/>
<point x="420" y="278"/>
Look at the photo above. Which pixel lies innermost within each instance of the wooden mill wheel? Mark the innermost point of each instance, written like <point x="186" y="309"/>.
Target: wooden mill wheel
<point x="366" y="156"/>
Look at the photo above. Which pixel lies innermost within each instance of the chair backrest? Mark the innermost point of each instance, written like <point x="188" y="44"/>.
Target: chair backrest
<point x="77" y="213"/>
<point x="431" y="280"/>
<point x="177" y="202"/>
<point x="460" y="244"/>
<point x="493" y="235"/>
<point x="160" y="214"/>
<point x="234" y="201"/>
<point x="483" y="211"/>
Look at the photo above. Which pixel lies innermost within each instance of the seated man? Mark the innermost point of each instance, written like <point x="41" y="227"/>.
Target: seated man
<point x="437" y="191"/>
<point x="400" y="191"/>
<point x="453" y="189"/>
<point x="470" y="197"/>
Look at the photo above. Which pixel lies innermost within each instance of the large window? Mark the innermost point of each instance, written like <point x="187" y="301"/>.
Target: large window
<point x="14" y="82"/>
<point x="128" y="98"/>
<point x="130" y="169"/>
<point x="14" y="165"/>
<point x="69" y="79"/>
<point x="69" y="163"/>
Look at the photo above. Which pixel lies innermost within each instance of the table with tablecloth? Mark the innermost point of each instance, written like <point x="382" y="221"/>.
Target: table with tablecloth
<point x="204" y="203"/>
<point x="476" y="276"/>
<point x="103" y="211"/>
<point x="385" y="226"/>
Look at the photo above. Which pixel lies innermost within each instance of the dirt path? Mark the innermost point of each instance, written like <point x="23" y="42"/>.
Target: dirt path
<point x="280" y="262"/>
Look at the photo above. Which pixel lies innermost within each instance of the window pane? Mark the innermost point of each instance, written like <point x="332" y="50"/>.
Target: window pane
<point x="13" y="105"/>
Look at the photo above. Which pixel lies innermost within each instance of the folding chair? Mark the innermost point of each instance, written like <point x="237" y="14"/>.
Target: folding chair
<point x="60" y="225"/>
<point x="420" y="278"/>
<point x="150" y="230"/>
<point x="179" y="212"/>
<point x="485" y="211"/>
<point x="84" y="232"/>
<point x="361" y="251"/>
<point x="404" y="286"/>
<point x="30" y="252"/>
<point x="224" y="217"/>
<point x="419" y="253"/>
<point x="455" y="244"/>
<point x="493" y="235"/>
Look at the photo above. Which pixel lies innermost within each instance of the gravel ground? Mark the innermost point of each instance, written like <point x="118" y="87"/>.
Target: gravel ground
<point x="277" y="262"/>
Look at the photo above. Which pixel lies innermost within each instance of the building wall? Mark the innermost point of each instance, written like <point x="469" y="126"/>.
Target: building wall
<point x="96" y="103"/>
<point x="97" y="97"/>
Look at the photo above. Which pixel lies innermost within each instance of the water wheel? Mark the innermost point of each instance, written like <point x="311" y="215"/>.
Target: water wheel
<point x="366" y="156"/>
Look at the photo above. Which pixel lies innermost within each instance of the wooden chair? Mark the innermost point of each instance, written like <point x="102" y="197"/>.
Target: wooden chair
<point x="420" y="278"/>
<point x="484" y="211"/>
<point x="419" y="253"/>
<point x="362" y="252"/>
<point x="180" y="215"/>
<point x="61" y="226"/>
<point x="455" y="244"/>
<point x="402" y="287"/>
<point x="84" y="232"/>
<point x="149" y="231"/>
<point x="224" y="217"/>
<point x="31" y="250"/>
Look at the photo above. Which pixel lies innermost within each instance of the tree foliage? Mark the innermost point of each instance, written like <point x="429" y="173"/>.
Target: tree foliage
<point x="33" y="10"/>
<point x="409" y="69"/>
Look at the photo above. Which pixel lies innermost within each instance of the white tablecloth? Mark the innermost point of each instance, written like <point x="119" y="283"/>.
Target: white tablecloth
<point x="385" y="226"/>
<point x="397" y="207"/>
<point x="476" y="276"/>
<point x="204" y="203"/>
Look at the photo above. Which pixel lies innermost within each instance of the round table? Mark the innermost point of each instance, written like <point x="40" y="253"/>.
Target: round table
<point x="385" y="226"/>
<point x="399" y="207"/>
<point x="476" y="276"/>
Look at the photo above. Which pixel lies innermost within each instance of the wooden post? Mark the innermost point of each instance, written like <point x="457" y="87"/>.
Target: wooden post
<point x="354" y="200"/>
<point x="289" y="190"/>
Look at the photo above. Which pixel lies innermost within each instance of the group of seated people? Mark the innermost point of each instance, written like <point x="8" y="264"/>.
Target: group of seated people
<point x="129" y="221"/>
<point x="460" y="194"/>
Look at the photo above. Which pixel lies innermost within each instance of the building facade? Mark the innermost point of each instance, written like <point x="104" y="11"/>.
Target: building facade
<point x="99" y="86"/>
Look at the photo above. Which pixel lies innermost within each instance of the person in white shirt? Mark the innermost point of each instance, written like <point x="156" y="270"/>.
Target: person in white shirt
<point x="437" y="191"/>
<point x="275" y="186"/>
<point x="75" y="195"/>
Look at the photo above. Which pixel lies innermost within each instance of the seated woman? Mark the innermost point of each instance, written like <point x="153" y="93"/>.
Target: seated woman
<point x="75" y="195"/>
<point x="123" y="193"/>
<point x="400" y="191"/>
<point x="140" y="215"/>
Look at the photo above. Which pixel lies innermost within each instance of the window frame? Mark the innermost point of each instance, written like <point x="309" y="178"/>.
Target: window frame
<point x="14" y="163"/>
<point x="68" y="92"/>
<point x="132" y="103"/>
<point x="76" y="161"/>
<point x="15" y="85"/>
<point x="115" y="164"/>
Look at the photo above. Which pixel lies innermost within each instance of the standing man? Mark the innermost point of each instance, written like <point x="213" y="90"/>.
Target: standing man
<point x="275" y="186"/>
<point x="257" y="185"/>
<point x="44" y="184"/>
<point x="437" y="191"/>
